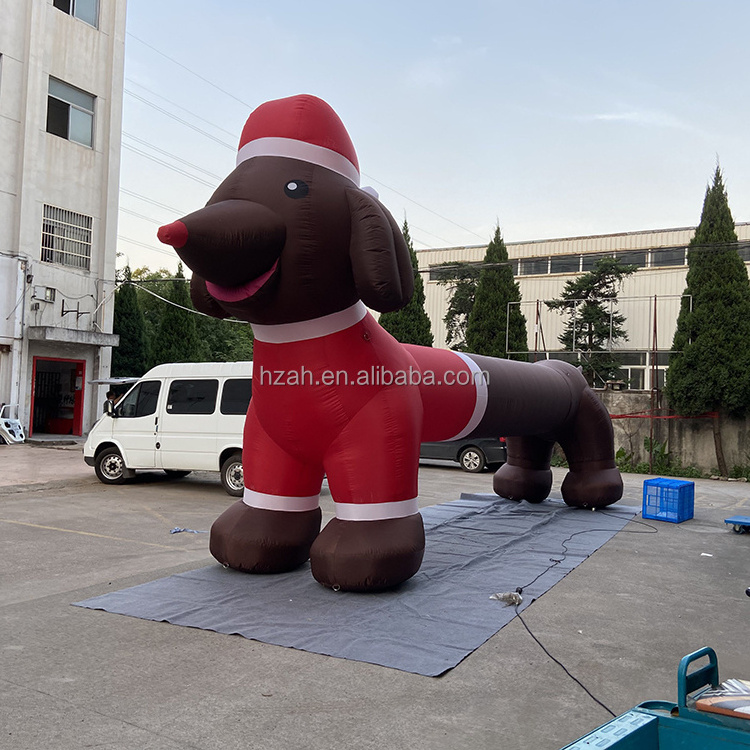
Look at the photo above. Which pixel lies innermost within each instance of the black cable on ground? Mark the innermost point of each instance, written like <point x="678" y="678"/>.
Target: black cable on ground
<point x="519" y="590"/>
<point x="563" y="667"/>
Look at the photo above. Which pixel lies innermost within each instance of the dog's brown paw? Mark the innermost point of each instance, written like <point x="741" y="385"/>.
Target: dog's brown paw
<point x="518" y="483"/>
<point x="263" y="541"/>
<point x="592" y="487"/>
<point x="368" y="555"/>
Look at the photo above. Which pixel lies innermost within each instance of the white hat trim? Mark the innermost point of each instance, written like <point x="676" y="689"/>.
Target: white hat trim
<point x="293" y="149"/>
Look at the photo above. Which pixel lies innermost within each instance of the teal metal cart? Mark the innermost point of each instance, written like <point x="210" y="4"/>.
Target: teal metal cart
<point x="661" y="725"/>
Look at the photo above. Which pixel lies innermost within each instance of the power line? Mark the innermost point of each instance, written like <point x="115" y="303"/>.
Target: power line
<point x="140" y="216"/>
<point x="419" y="229"/>
<point x="137" y="284"/>
<point x="479" y="265"/>
<point x="168" y="166"/>
<point x="147" y="246"/>
<point x="181" y="121"/>
<point x="171" y="209"/>
<point x="251" y="107"/>
<point x="172" y="156"/>
<point x="192" y="72"/>
<point x="179" y="106"/>
<point x="411" y="200"/>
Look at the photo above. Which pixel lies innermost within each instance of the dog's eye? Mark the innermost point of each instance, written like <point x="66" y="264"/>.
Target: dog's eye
<point x="296" y="189"/>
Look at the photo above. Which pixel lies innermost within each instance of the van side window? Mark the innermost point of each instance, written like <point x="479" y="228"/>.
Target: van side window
<point x="141" y="401"/>
<point x="192" y="396"/>
<point x="235" y="397"/>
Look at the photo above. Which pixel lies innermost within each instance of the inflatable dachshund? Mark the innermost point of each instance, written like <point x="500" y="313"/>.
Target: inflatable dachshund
<point x="291" y="243"/>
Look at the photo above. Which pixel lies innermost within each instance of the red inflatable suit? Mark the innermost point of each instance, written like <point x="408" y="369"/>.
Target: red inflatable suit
<point x="291" y="243"/>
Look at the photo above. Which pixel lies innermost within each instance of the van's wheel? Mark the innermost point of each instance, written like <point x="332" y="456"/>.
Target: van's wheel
<point x="232" y="476"/>
<point x="472" y="459"/>
<point x="175" y="473"/>
<point x="109" y="466"/>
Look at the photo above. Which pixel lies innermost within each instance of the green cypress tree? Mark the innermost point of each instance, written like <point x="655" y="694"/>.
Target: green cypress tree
<point x="129" y="359"/>
<point x="710" y="367"/>
<point x="492" y="317"/>
<point x="177" y="339"/>
<point x="410" y="324"/>
<point x="594" y="326"/>
<point x="461" y="280"/>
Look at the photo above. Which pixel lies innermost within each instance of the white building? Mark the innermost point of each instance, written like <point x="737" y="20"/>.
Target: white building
<point x="649" y="299"/>
<point x="61" y="89"/>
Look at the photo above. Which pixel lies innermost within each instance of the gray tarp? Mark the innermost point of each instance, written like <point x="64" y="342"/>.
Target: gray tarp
<point x="476" y="546"/>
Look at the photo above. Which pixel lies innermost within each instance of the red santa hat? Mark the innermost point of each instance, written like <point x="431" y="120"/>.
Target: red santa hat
<point x="300" y="127"/>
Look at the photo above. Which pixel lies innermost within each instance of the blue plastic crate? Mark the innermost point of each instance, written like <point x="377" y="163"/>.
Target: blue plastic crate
<point x="668" y="499"/>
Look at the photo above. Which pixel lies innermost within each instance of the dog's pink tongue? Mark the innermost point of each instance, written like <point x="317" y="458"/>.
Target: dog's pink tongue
<point x="238" y="293"/>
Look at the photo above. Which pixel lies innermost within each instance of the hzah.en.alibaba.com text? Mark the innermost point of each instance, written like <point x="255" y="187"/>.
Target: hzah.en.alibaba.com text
<point x="378" y="376"/>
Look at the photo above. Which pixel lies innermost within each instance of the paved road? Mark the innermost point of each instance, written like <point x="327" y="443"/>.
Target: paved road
<point x="73" y="678"/>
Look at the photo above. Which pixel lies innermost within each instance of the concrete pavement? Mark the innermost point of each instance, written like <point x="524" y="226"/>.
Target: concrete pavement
<point x="72" y="678"/>
<point x="43" y="464"/>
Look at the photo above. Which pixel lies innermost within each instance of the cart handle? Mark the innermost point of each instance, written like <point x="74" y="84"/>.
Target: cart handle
<point x="708" y="674"/>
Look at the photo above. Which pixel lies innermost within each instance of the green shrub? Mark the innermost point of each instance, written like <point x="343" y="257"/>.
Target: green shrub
<point x="661" y="462"/>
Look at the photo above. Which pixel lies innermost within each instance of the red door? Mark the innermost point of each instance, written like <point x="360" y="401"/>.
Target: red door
<point x="80" y="379"/>
<point x="57" y="396"/>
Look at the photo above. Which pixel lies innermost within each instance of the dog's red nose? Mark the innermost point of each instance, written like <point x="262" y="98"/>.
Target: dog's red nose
<point x="174" y="234"/>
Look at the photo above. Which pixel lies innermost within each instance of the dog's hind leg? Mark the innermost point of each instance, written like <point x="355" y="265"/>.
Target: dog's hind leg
<point x="593" y="479"/>
<point x="526" y="474"/>
<point x="545" y="403"/>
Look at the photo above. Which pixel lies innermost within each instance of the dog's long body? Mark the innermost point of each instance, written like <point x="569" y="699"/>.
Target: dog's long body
<point x="290" y="243"/>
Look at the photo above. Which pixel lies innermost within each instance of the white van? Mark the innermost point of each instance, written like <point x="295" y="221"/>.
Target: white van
<point x="179" y="418"/>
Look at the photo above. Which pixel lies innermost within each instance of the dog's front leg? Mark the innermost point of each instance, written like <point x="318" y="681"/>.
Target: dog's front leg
<point x="377" y="539"/>
<point x="272" y="528"/>
<point x="260" y="540"/>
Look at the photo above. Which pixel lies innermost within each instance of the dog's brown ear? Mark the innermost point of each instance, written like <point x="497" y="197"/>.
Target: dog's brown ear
<point x="203" y="301"/>
<point x="380" y="259"/>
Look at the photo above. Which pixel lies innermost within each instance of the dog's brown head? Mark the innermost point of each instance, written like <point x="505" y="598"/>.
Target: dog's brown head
<point x="289" y="236"/>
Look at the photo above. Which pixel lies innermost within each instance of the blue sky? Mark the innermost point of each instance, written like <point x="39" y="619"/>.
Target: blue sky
<point x="554" y="118"/>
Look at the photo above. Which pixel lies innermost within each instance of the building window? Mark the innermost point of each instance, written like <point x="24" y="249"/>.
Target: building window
<point x="70" y="113"/>
<point x="633" y="258"/>
<point x="66" y="238"/>
<point x="461" y="269"/>
<point x="534" y="266"/>
<point x="633" y="377"/>
<point x="670" y="256"/>
<point x="589" y="260"/>
<point x="86" y="10"/>
<point x="564" y="264"/>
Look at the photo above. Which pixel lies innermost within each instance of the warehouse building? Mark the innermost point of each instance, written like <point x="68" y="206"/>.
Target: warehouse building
<point x="61" y="89"/>
<point x="649" y="299"/>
